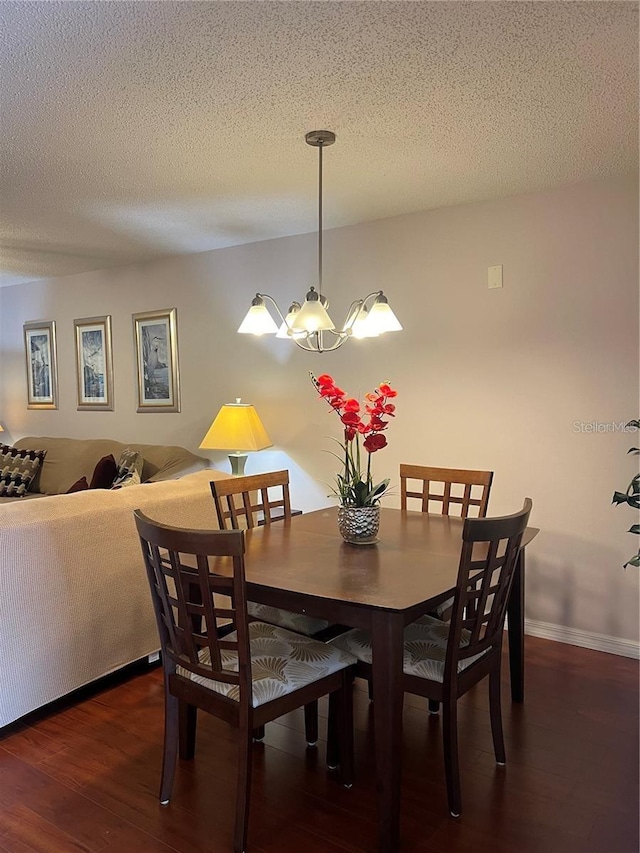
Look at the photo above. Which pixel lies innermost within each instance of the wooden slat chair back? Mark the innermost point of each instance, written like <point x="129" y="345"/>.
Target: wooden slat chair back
<point x="188" y="571"/>
<point x="244" y="502"/>
<point x="474" y="645"/>
<point x="487" y="565"/>
<point x="247" y="501"/>
<point x="458" y="491"/>
<point x="186" y="593"/>
<point x="452" y="491"/>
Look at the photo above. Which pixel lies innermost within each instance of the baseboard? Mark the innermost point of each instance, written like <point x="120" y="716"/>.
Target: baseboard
<point x="586" y="639"/>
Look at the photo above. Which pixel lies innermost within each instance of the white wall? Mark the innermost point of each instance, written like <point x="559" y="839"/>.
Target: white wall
<point x="486" y="378"/>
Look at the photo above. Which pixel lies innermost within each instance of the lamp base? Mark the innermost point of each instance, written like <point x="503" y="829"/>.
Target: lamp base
<point x="238" y="461"/>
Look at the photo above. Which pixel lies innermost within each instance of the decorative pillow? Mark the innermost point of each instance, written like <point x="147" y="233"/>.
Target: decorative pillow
<point x="18" y="469"/>
<point x="129" y="469"/>
<point x="103" y="473"/>
<point x="79" y="486"/>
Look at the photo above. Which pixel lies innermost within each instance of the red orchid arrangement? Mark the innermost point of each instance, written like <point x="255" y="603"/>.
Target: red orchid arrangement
<point x="365" y="423"/>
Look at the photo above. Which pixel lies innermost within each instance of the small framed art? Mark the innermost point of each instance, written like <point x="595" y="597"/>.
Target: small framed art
<point x="94" y="364"/>
<point x="42" y="374"/>
<point x="158" y="375"/>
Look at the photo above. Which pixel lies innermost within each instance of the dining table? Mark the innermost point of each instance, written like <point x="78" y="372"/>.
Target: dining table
<point x="303" y="564"/>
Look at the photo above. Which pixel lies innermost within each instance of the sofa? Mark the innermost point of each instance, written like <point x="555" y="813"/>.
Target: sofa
<point x="69" y="459"/>
<point x="74" y="597"/>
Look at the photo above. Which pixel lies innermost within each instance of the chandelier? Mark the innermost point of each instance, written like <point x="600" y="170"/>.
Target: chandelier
<point x="309" y="325"/>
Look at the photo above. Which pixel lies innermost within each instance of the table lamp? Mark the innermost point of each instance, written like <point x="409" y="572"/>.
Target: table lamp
<point x="236" y="427"/>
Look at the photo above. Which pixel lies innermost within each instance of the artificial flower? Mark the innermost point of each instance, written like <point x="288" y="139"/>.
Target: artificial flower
<point x="355" y="487"/>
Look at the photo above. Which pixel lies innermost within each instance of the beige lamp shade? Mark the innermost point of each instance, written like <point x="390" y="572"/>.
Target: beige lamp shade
<point x="236" y="427"/>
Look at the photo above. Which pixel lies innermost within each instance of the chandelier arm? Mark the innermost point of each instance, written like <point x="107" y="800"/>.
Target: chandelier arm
<point x="354" y="309"/>
<point x="275" y="305"/>
<point x="305" y="343"/>
<point x="375" y="293"/>
<point x="319" y="346"/>
<point x="352" y="313"/>
<point x="336" y="344"/>
<point x="340" y="338"/>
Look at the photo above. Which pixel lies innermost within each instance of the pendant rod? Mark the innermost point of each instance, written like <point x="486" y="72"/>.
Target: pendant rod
<point x="320" y="219"/>
<point x="320" y="139"/>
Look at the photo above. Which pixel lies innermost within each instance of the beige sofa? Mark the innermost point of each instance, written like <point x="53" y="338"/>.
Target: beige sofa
<point x="74" y="598"/>
<point x="69" y="459"/>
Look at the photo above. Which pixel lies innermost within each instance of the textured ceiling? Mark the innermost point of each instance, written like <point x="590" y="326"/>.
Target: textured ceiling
<point x="133" y="130"/>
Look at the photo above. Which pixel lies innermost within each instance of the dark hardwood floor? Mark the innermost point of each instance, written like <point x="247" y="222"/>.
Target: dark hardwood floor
<point x="83" y="776"/>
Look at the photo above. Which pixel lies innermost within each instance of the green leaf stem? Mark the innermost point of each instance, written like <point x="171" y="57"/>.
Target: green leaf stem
<point x="631" y="497"/>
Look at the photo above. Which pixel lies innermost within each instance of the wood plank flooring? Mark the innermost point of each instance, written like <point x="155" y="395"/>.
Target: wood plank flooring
<point x="82" y="777"/>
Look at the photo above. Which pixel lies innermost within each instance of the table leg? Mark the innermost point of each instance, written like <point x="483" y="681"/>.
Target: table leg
<point x="387" y="636"/>
<point x="515" y="610"/>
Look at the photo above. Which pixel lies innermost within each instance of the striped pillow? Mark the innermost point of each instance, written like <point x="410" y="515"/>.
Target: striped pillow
<point x="18" y="469"/>
<point x="129" y="469"/>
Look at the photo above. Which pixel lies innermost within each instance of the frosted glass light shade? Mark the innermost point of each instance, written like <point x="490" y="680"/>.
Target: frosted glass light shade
<point x="361" y="327"/>
<point x="313" y="316"/>
<point x="237" y="426"/>
<point x="283" y="331"/>
<point x="258" y="321"/>
<point x="381" y="318"/>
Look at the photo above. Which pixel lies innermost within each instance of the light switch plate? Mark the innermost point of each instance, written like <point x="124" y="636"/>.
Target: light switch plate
<point x="494" y="278"/>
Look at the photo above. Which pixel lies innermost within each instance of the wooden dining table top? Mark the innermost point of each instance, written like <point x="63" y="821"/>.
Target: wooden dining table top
<point x="415" y="560"/>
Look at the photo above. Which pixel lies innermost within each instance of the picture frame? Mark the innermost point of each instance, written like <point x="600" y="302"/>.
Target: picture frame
<point x="94" y="364"/>
<point x="158" y="374"/>
<point x="41" y="363"/>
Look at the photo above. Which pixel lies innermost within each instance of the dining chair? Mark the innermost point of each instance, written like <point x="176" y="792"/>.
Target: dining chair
<point x="246" y="502"/>
<point x="246" y="678"/>
<point x="442" y="661"/>
<point x="460" y="491"/>
<point x="256" y="499"/>
<point x="460" y="488"/>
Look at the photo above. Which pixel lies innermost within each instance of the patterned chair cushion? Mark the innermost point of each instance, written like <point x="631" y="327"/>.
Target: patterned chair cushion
<point x="425" y="647"/>
<point x="286" y="619"/>
<point x="281" y="662"/>
<point x="18" y="469"/>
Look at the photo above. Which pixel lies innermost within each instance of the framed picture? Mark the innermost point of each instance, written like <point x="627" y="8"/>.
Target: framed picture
<point x="42" y="374"/>
<point x="158" y="375"/>
<point x="94" y="364"/>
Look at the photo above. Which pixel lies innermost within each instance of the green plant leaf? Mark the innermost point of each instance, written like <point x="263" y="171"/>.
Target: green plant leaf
<point x="361" y="492"/>
<point x="378" y="490"/>
<point x="632" y="495"/>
